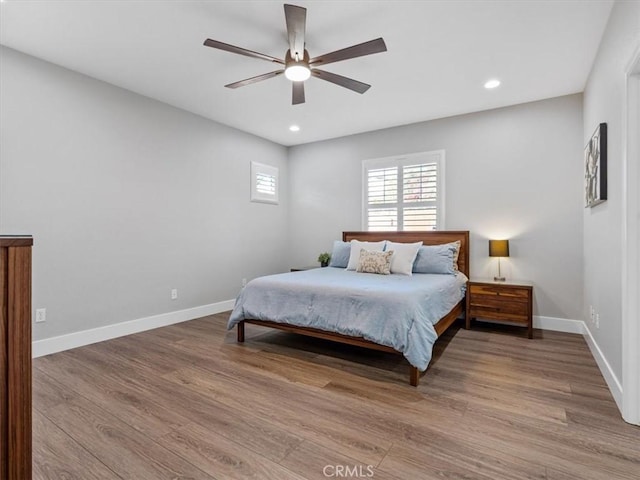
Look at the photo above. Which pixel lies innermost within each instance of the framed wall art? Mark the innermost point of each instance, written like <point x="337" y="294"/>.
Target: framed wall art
<point x="595" y="167"/>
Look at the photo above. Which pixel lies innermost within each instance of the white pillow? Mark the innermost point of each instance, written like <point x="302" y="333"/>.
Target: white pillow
<point x="403" y="257"/>
<point x="356" y="246"/>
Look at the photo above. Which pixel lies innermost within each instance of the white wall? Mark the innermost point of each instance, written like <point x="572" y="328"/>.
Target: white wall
<point x="604" y="100"/>
<point x="128" y="198"/>
<point x="512" y="172"/>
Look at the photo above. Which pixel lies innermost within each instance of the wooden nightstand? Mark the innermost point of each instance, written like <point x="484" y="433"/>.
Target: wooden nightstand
<point x="510" y="301"/>
<point x="302" y="269"/>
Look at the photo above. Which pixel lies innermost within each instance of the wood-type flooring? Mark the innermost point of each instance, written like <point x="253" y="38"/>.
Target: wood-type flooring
<point x="188" y="402"/>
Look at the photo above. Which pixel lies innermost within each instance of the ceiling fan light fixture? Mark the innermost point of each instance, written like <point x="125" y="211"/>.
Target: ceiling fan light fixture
<point x="295" y="69"/>
<point x="297" y="73"/>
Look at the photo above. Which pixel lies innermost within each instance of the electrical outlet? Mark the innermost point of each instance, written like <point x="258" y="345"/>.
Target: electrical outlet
<point x="41" y="315"/>
<point x="591" y="312"/>
<point x="174" y="294"/>
<point x="244" y="282"/>
<point x="597" y="320"/>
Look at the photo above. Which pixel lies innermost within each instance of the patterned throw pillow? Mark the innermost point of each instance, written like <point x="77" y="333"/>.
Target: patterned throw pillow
<point x="375" y="262"/>
<point x="456" y="254"/>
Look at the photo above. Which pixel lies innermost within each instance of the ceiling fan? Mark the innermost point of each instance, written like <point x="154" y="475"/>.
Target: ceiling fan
<point x="297" y="64"/>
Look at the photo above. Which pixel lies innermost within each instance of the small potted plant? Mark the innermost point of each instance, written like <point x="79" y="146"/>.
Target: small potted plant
<point x="324" y="258"/>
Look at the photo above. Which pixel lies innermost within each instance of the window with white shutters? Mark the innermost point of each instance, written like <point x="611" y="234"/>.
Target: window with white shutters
<point x="264" y="183"/>
<point x="404" y="193"/>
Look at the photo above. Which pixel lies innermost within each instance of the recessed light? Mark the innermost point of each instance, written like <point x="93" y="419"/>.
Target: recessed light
<point x="294" y="128"/>
<point x="492" y="84"/>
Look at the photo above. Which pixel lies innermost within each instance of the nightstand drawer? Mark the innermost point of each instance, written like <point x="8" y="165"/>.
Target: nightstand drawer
<point x="499" y="313"/>
<point x="515" y="293"/>
<point x="502" y="303"/>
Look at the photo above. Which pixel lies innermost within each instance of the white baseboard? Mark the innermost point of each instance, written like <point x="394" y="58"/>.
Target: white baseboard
<point x="559" y="324"/>
<point x="579" y="326"/>
<point x="615" y="387"/>
<point x="86" y="337"/>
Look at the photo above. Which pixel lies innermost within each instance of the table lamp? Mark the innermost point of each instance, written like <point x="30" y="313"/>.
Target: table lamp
<point x="499" y="248"/>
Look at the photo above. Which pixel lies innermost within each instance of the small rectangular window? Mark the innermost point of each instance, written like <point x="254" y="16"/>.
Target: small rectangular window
<point x="264" y="183"/>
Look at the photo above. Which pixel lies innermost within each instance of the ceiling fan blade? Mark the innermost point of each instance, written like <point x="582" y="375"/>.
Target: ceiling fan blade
<point x="345" y="82"/>
<point x="298" y="93"/>
<point x="366" y="48"/>
<point x="296" y="18"/>
<point x="259" y="78"/>
<point x="242" y="51"/>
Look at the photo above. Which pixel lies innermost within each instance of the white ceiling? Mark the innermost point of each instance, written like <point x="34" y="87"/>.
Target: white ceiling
<point x="439" y="55"/>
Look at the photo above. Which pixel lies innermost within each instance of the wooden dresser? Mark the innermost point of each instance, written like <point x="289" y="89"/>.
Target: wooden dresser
<point x="15" y="357"/>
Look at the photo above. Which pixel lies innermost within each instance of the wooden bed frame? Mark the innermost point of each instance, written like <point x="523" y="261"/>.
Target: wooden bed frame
<point x="428" y="238"/>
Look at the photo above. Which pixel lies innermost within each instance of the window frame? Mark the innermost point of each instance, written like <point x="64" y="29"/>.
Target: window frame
<point x="267" y="170"/>
<point x="399" y="161"/>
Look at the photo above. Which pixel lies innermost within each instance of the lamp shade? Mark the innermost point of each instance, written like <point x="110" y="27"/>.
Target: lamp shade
<point x="498" y="248"/>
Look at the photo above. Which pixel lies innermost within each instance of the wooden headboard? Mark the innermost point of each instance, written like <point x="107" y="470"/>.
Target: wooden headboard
<point x="436" y="237"/>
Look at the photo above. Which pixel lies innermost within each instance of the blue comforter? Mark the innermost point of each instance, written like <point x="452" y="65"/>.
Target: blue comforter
<point x="398" y="311"/>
